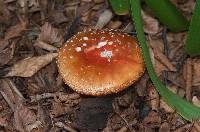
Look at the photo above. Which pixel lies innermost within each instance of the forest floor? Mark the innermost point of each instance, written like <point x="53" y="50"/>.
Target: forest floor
<point x="34" y="98"/>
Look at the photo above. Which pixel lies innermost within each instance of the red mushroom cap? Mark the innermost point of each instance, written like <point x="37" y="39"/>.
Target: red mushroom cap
<point x="100" y="62"/>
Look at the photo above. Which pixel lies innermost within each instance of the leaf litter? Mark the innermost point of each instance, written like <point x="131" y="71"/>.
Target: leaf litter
<point x="33" y="96"/>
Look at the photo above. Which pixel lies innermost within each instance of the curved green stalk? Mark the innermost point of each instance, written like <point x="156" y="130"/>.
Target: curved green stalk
<point x="184" y="108"/>
<point x="192" y="45"/>
<point x="120" y="7"/>
<point x="168" y="15"/>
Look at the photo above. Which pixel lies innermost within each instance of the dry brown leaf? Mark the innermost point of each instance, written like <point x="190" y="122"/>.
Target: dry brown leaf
<point x="50" y="35"/>
<point x="161" y="57"/>
<point x="151" y="25"/>
<point x="152" y="118"/>
<point x="6" y="54"/>
<point x="177" y="79"/>
<point x="57" y="109"/>
<point x="45" y="46"/>
<point x="5" y="13"/>
<point x="23" y="117"/>
<point x="165" y="106"/>
<point x="164" y="127"/>
<point x="15" y="30"/>
<point x="10" y="92"/>
<point x="158" y="66"/>
<point x="29" y="66"/>
<point x="59" y="17"/>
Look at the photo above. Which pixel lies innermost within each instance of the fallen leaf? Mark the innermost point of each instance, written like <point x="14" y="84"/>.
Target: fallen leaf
<point x="6" y="54"/>
<point x="29" y="66"/>
<point x="153" y="119"/>
<point x="45" y="46"/>
<point x="5" y="13"/>
<point x="165" y="106"/>
<point x="50" y="35"/>
<point x="10" y="92"/>
<point x="151" y="25"/>
<point x="161" y="57"/>
<point x="164" y="127"/>
<point x="23" y="117"/>
<point x="59" y="17"/>
<point x="15" y="30"/>
<point x="58" y="109"/>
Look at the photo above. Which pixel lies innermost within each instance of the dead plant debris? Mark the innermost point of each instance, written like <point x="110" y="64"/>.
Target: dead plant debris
<point x="33" y="96"/>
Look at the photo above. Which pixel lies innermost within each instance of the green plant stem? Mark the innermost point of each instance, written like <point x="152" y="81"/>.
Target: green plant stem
<point x="184" y="108"/>
<point x="193" y="40"/>
<point x="168" y="15"/>
<point x="120" y="7"/>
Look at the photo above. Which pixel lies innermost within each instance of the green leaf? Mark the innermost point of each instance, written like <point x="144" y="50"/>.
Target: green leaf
<point x="193" y="40"/>
<point x="168" y="14"/>
<point x="120" y="7"/>
<point x="184" y="108"/>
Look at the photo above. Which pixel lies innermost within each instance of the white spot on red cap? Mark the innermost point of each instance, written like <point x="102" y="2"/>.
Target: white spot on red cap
<point x="106" y="54"/>
<point x="85" y="38"/>
<point x="78" y="49"/>
<point x="110" y="43"/>
<point x="101" y="44"/>
<point x="84" y="44"/>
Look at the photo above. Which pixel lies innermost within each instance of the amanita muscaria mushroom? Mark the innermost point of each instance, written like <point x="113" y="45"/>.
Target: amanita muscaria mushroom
<point x="100" y="62"/>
